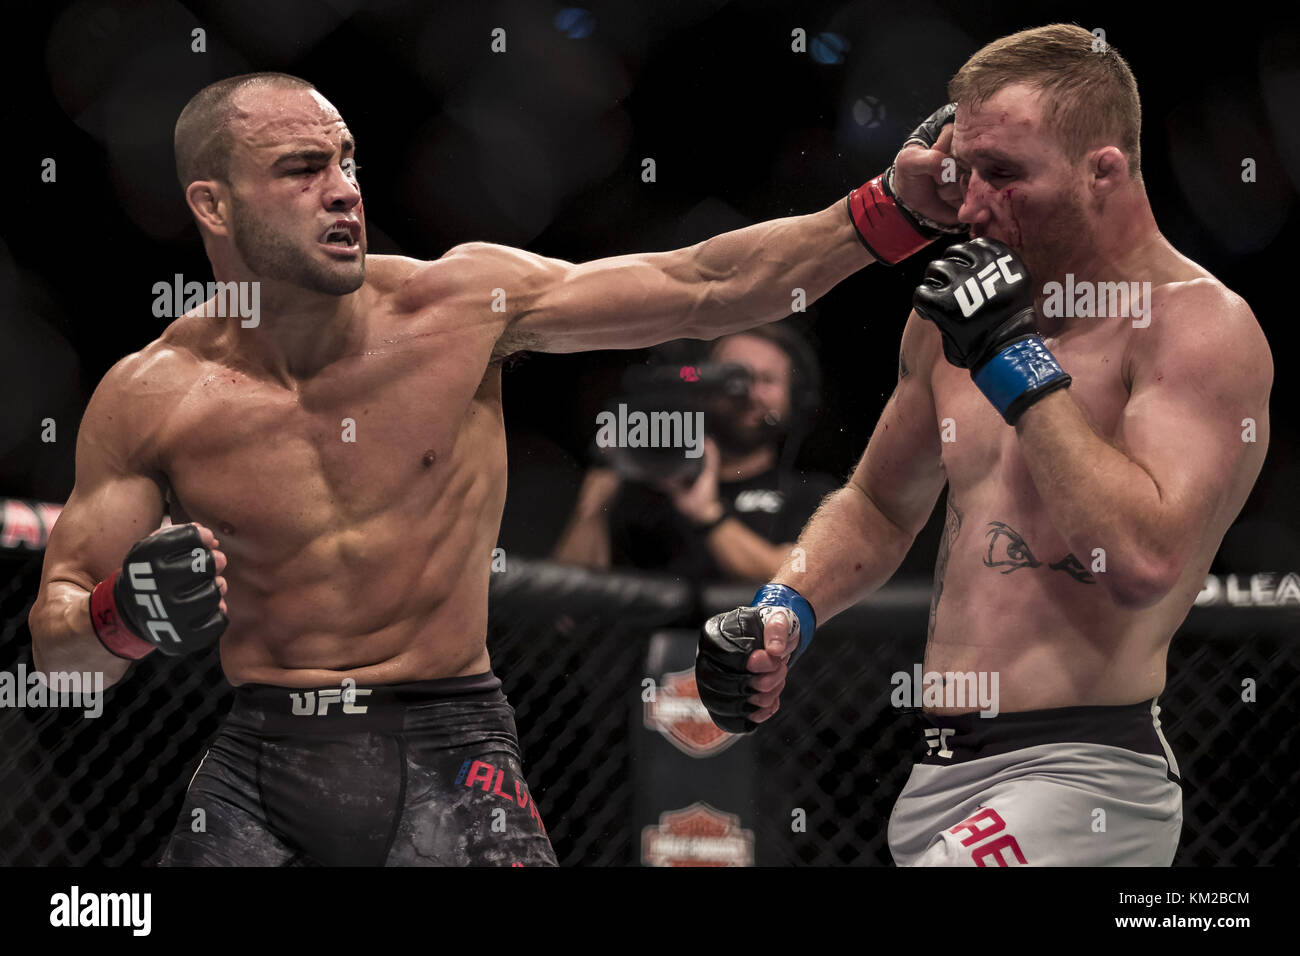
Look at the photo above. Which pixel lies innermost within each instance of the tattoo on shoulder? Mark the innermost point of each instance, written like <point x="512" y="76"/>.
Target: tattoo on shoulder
<point x="1008" y="551"/>
<point x="903" y="370"/>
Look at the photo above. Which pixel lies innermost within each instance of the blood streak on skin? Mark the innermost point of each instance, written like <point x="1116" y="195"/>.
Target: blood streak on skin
<point x="1011" y="212"/>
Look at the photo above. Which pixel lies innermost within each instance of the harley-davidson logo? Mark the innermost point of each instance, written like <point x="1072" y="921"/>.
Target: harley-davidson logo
<point x="698" y="835"/>
<point x="678" y="714"/>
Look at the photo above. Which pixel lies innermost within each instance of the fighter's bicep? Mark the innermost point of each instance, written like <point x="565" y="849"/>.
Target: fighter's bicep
<point x="99" y="524"/>
<point x="116" y="498"/>
<point x="1189" y="447"/>
<point x="902" y="469"/>
<point x="1197" y="414"/>
<point x="621" y="302"/>
<point x="543" y="304"/>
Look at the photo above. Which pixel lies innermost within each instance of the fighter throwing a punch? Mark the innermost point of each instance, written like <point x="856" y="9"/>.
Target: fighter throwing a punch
<point x="349" y="454"/>
<point x="1094" y="455"/>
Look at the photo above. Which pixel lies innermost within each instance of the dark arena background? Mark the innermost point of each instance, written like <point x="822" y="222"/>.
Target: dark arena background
<point x="543" y="147"/>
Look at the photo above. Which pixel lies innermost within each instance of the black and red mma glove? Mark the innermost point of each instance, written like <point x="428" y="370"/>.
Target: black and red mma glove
<point x="164" y="598"/>
<point x="887" y="227"/>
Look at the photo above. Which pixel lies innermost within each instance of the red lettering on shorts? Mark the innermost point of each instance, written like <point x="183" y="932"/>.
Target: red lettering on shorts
<point x="994" y="849"/>
<point x="492" y="779"/>
<point x="987" y="815"/>
<point x="480" y="772"/>
<point x="496" y="788"/>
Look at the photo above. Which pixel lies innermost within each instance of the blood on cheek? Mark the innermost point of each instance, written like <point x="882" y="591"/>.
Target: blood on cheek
<point x="1013" y="221"/>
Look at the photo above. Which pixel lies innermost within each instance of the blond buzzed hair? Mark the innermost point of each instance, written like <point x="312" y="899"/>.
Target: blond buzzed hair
<point x="1088" y="91"/>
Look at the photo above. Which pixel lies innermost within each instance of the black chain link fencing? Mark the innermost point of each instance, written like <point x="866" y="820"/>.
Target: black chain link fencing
<point x="570" y="648"/>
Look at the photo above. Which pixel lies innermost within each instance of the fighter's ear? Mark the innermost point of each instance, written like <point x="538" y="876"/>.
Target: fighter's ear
<point x="204" y="197"/>
<point x="1107" y="168"/>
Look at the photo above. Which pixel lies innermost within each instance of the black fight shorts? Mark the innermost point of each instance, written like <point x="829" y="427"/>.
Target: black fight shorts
<point x="420" y="774"/>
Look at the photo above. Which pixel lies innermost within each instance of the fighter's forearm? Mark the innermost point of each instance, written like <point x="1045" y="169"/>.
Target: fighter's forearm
<point x="766" y="271"/>
<point x="1099" y="498"/>
<point x="847" y="550"/>
<point x="62" y="636"/>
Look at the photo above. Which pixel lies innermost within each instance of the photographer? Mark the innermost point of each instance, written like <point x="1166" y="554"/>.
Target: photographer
<point x="735" y="513"/>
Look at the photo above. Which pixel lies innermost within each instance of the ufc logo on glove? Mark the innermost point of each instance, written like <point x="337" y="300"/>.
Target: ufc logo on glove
<point x="969" y="294"/>
<point x="141" y="576"/>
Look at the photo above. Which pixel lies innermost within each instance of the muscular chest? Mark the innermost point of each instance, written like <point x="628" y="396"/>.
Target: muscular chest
<point x="979" y="447"/>
<point x="379" y="430"/>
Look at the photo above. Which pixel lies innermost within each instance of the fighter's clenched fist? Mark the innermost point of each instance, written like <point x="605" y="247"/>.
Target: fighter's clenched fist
<point x="912" y="203"/>
<point x="982" y="299"/>
<point x="744" y="656"/>
<point x="168" y="596"/>
<point x="925" y="173"/>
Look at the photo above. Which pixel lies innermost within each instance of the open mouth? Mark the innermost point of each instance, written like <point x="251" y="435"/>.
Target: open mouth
<point x="343" y="236"/>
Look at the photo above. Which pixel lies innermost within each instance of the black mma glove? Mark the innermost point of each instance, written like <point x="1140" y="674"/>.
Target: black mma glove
<point x="158" y="601"/>
<point x="889" y="229"/>
<point x="981" y="297"/>
<point x="726" y="641"/>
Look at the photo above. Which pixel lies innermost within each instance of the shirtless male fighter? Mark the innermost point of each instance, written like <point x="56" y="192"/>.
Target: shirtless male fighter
<point x="1093" y="465"/>
<point x="337" y="474"/>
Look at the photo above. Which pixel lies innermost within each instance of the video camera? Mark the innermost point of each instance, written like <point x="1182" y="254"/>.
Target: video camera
<point x="665" y="395"/>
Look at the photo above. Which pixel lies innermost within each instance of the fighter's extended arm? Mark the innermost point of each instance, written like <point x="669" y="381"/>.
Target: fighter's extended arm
<point x="1147" y="497"/>
<point x="728" y="283"/>
<point x="731" y="282"/>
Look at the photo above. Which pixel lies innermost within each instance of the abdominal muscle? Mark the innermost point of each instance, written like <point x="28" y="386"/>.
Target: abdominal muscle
<point x="288" y="642"/>
<point x="401" y="595"/>
<point x="1034" y="636"/>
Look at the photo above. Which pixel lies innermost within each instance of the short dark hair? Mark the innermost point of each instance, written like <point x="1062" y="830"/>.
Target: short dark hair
<point x="202" y="139"/>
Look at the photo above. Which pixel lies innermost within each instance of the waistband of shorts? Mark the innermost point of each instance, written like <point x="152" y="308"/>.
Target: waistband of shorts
<point x="955" y="739"/>
<point x="356" y="708"/>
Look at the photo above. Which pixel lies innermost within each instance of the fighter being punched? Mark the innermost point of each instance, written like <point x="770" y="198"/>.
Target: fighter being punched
<point x="1093" y="462"/>
<point x="337" y="476"/>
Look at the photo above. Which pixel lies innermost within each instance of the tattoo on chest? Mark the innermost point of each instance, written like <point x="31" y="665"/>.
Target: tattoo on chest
<point x="1071" y="566"/>
<point x="1007" y="550"/>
